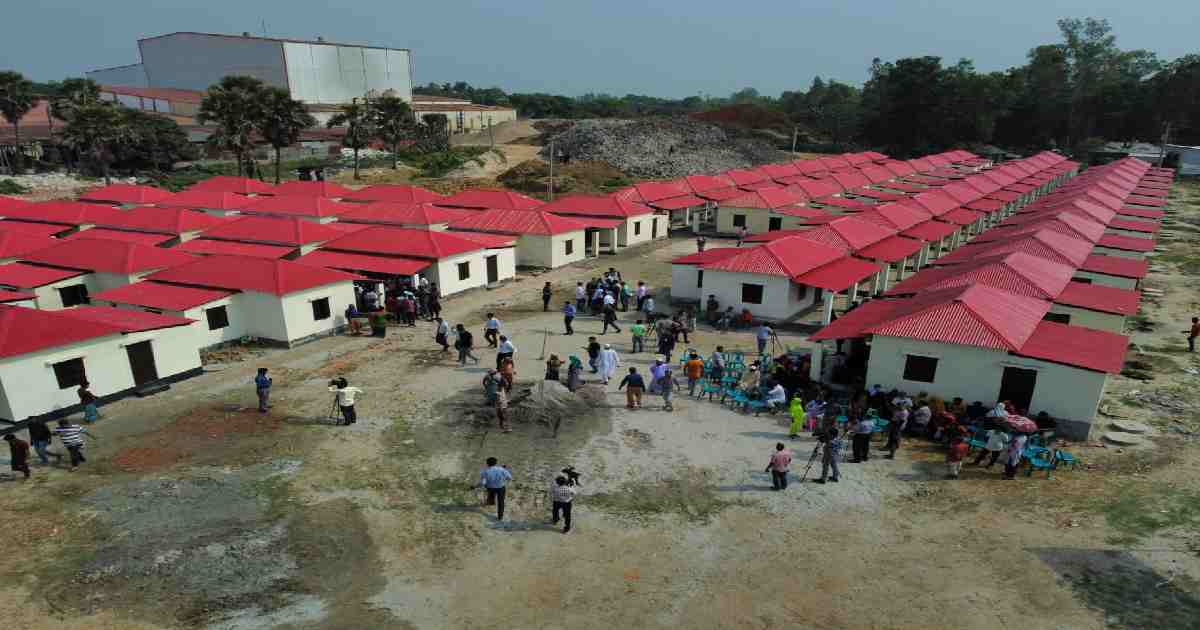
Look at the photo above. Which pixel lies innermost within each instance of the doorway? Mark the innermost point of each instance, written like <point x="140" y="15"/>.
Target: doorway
<point x="493" y="269"/>
<point x="654" y="228"/>
<point x="1017" y="385"/>
<point x="141" y="361"/>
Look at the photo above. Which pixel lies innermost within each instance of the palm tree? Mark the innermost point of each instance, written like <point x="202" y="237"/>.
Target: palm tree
<point x="283" y="119"/>
<point x="16" y="100"/>
<point x="235" y="106"/>
<point x="96" y="130"/>
<point x="393" y="121"/>
<point x="70" y="93"/>
<point x="359" y="129"/>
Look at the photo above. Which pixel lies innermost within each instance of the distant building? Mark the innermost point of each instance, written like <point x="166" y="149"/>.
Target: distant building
<point x="462" y="115"/>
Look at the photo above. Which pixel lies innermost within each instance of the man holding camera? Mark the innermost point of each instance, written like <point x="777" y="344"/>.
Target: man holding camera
<point x="345" y="395"/>
<point x="562" y="494"/>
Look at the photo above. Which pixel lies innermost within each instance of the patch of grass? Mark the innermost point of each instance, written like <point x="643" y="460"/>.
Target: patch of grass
<point x="276" y="490"/>
<point x="1138" y="510"/>
<point x="11" y="187"/>
<point x="688" y="496"/>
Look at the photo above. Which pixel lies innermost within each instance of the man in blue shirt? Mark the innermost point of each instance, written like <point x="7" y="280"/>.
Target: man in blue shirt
<point x="569" y="312"/>
<point x="763" y="336"/>
<point x="494" y="478"/>
<point x="262" y="384"/>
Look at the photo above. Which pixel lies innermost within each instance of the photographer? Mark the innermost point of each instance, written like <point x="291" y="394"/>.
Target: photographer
<point x="345" y="399"/>
<point x="832" y="451"/>
<point x="562" y="494"/>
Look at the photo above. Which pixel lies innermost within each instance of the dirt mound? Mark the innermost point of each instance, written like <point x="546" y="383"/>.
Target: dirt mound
<point x="745" y="115"/>
<point x="659" y="147"/>
<point x="533" y="176"/>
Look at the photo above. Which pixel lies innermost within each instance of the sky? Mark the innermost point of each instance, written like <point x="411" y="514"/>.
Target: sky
<point x="669" y="48"/>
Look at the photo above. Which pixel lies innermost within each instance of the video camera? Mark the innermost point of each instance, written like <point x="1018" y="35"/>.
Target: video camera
<point x="572" y="475"/>
<point x="339" y="382"/>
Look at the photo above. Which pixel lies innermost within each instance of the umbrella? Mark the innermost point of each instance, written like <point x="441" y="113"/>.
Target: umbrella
<point x="1021" y="424"/>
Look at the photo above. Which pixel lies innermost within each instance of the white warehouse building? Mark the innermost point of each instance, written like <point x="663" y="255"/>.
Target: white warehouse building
<point x="314" y="71"/>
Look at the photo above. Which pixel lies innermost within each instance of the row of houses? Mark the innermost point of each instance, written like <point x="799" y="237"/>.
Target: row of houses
<point x="1030" y="311"/>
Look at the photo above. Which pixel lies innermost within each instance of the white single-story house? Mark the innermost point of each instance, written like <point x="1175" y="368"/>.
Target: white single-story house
<point x="298" y="234"/>
<point x="543" y="239"/>
<point x="108" y="264"/>
<point x="419" y="216"/>
<point x="639" y="224"/>
<point x="53" y="289"/>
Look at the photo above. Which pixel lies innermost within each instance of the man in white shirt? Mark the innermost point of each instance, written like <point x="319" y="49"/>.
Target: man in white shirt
<point x="491" y="330"/>
<point x="345" y="399"/>
<point x="777" y="397"/>
<point x="580" y="297"/>
<point x="505" y="351"/>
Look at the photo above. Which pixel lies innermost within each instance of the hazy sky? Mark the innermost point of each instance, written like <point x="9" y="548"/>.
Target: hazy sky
<point x="669" y="48"/>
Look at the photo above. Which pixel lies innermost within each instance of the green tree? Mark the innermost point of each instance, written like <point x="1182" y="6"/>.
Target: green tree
<point x="16" y="100"/>
<point x="96" y="131"/>
<point x="234" y="107"/>
<point x="283" y="120"/>
<point x="359" y="130"/>
<point x="68" y="94"/>
<point x="150" y="141"/>
<point x="432" y="134"/>
<point x="392" y="119"/>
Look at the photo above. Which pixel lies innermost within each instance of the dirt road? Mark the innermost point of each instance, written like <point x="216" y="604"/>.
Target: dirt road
<point x="196" y="511"/>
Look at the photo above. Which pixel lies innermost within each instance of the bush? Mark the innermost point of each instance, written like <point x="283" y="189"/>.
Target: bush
<point x="11" y="187"/>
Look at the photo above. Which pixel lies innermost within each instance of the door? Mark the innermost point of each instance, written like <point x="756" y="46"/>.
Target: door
<point x="654" y="228"/>
<point x="141" y="361"/>
<point x="1016" y="386"/>
<point x="493" y="270"/>
<point x="775" y="224"/>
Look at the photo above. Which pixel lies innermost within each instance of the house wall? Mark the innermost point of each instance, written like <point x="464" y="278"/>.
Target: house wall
<point x="782" y="298"/>
<point x="297" y="314"/>
<point x="48" y="298"/>
<point x="974" y="374"/>
<point x="683" y="282"/>
<point x="757" y="219"/>
<point x="445" y="273"/>
<point x="535" y="250"/>
<point x="1111" y="322"/>
<point x="30" y="387"/>
<point x="176" y="350"/>
<point x="506" y="262"/>
<point x="1107" y="280"/>
<point x="626" y="236"/>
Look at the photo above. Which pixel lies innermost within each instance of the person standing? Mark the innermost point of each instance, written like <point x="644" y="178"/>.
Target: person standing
<point x="610" y="319"/>
<point x="408" y="309"/>
<point x="491" y="330"/>
<point x="648" y="306"/>
<point x="593" y="350"/>
<point x="634" y="386"/>
<point x="861" y="442"/>
<point x="345" y="399"/>
<point x="954" y="457"/>
<point x="667" y="386"/>
<point x="574" y="373"/>
<point x="830" y="455"/>
<point x="763" y="336"/>
<point x="494" y="479"/>
<point x="741" y="235"/>
<point x="796" y="410"/>
<point x="569" y="312"/>
<point x="441" y="334"/>
<point x="1012" y="458"/>
<point x="638" y="331"/>
<point x="547" y="293"/>
<point x="40" y="437"/>
<point x="580" y="296"/>
<point x="553" y="365"/>
<point x="700" y="243"/>
<point x="262" y="386"/>
<point x="503" y="389"/>
<point x="562" y="493"/>
<point x="626" y="295"/>
<point x="464" y="343"/>
<point x="694" y="370"/>
<point x="997" y="442"/>
<point x="72" y="438"/>
<point x="505" y="351"/>
<point x="1192" y="333"/>
<point x="91" y="412"/>
<point x="781" y="459"/>
<point x="435" y="305"/>
<point x="607" y="362"/>
<point x="18" y="454"/>
<point x="642" y="289"/>
<point x="896" y="430"/>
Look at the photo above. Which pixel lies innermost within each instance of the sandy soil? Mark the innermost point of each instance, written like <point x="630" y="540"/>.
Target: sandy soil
<point x="195" y="511"/>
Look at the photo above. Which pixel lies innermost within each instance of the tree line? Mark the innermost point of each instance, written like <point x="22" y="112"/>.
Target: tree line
<point x="1068" y="95"/>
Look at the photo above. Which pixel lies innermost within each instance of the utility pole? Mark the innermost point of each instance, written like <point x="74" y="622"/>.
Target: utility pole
<point x="551" y="170"/>
<point x="1162" y="150"/>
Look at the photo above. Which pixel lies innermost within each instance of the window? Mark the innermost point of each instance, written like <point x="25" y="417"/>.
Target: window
<point x="320" y="309"/>
<point x="70" y="373"/>
<point x="919" y="369"/>
<point x="218" y="318"/>
<point x="464" y="270"/>
<point x="699" y="278"/>
<point x="752" y="293"/>
<point x="637" y="228"/>
<point x="774" y="224"/>
<point x="569" y="246"/>
<point x="801" y="290"/>
<point x="1083" y="280"/>
<point x="1061" y="318"/>
<point x="739" y="220"/>
<point x="73" y="295"/>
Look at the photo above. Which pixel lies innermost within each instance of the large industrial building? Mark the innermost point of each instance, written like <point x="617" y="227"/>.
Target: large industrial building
<point x="315" y="72"/>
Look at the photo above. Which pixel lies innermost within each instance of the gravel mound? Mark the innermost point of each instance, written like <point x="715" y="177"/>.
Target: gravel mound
<point x="658" y="148"/>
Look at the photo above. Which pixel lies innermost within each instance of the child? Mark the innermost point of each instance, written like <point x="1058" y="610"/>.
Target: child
<point x="954" y="457"/>
<point x="796" y="408"/>
<point x="694" y="371"/>
<point x="667" y="386"/>
<point x="636" y="386"/>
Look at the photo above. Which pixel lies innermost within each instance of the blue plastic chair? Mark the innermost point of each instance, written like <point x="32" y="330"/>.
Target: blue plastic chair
<point x="1040" y="458"/>
<point x="1065" y="458"/>
<point x="710" y="388"/>
<point x="979" y="440"/>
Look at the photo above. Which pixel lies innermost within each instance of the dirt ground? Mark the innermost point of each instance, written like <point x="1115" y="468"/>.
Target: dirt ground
<point x="195" y="511"/>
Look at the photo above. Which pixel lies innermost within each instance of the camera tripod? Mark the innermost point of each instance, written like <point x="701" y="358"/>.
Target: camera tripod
<point x="812" y="458"/>
<point x="335" y="412"/>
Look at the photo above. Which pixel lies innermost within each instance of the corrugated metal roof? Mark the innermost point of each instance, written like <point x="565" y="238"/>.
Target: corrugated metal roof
<point x="25" y="330"/>
<point x="788" y="257"/>
<point x="484" y="199"/>
<point x="209" y="200"/>
<point x="679" y="203"/>
<point x="1077" y="346"/>
<point x="971" y="316"/>
<point x="930" y="231"/>
<point x="65" y="213"/>
<point x="849" y="233"/>
<point x="1144" y="213"/>
<point x="230" y="184"/>
<point x="92" y="254"/>
<point x="815" y="188"/>
<point x="144" y="238"/>
<point x="745" y="176"/>
<point x="392" y="213"/>
<point x="1017" y="272"/>
<point x="961" y="192"/>
<point x="298" y="206"/>
<point x="167" y="297"/>
<point x="520" y="222"/>
<point x="1044" y="243"/>
<point x="389" y="265"/>
<point x="891" y="249"/>
<point x="839" y="274"/>
<point x="708" y="256"/>
<point x="234" y="248"/>
<point x="277" y="277"/>
<point x="405" y="243"/>
<point x="171" y="221"/>
<point x="23" y="276"/>
<point x="961" y="216"/>
<point x="1119" y="266"/>
<point x="15" y="243"/>
<point x="935" y="202"/>
<point x="331" y="190"/>
<point x="126" y="194"/>
<point x="126" y="320"/>
<point x="1097" y="297"/>
<point x="772" y="197"/>
<point x="1126" y="243"/>
<point x="596" y="206"/>
<point x="1148" y="227"/>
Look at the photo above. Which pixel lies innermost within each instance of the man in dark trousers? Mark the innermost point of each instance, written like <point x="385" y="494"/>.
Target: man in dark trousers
<point x="262" y="387"/>
<point x="569" y="312"/>
<point x="781" y="459"/>
<point x="610" y="319"/>
<point x="40" y="437"/>
<point x="1192" y="333"/>
<point x="494" y="479"/>
<point x="18" y="451"/>
<point x="562" y="493"/>
<point x="547" y="293"/>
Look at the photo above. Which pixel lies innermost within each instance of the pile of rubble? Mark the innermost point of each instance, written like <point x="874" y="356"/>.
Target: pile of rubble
<point x="658" y="148"/>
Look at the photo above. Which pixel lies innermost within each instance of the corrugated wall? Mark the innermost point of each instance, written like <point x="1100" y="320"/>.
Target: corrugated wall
<point x="190" y="61"/>
<point x="327" y="73"/>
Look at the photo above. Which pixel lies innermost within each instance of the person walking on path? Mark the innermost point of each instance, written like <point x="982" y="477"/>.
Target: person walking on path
<point x="262" y="386"/>
<point x="562" y="493"/>
<point x="781" y="459"/>
<point x="494" y="480"/>
<point x="91" y="412"/>
<point x="610" y="319"/>
<point x="694" y="370"/>
<point x="642" y="289"/>
<point x="763" y="336"/>
<point x="830" y="456"/>
<point x="593" y="350"/>
<point x="861" y="442"/>
<point x="580" y="296"/>
<point x="796" y="410"/>
<point x="569" y="311"/>
<point x="491" y="330"/>
<point x="346" y="395"/>
<point x="997" y="442"/>
<point x="72" y="438"/>
<point x="954" y="457"/>
<point x="505" y="351"/>
<point x="634" y="386"/>
<point x="667" y="386"/>
<point x="700" y="243"/>
<point x="435" y="306"/>
<point x="638" y="332"/>
<point x="666" y="339"/>
<point x="464" y="343"/>
<point x="18" y="454"/>
<point x="40" y="437"/>
<point x="1012" y="458"/>
<point x="626" y="295"/>
<point x="896" y="430"/>
<point x="547" y="293"/>
<point x="503" y="388"/>
<point x="608" y="362"/>
<point x="441" y="334"/>
<point x="1192" y="333"/>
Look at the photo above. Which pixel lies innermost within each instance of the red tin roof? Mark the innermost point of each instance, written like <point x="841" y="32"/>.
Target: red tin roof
<point x="520" y="222"/>
<point x="392" y="213"/>
<point x="312" y="189"/>
<point x="483" y="199"/>
<point x="1119" y="266"/>
<point x="389" y="265"/>
<point x="25" y="330"/>
<point x="1091" y="349"/>
<point x="167" y="297"/>
<point x="405" y="243"/>
<point x="126" y="194"/>
<point x="272" y="231"/>
<point x="124" y="319"/>
<point x="277" y="277"/>
<point x="790" y="257"/>
<point x="102" y="255"/>
<point x="394" y="193"/>
<point x="23" y="276"/>
<point x="230" y="184"/>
